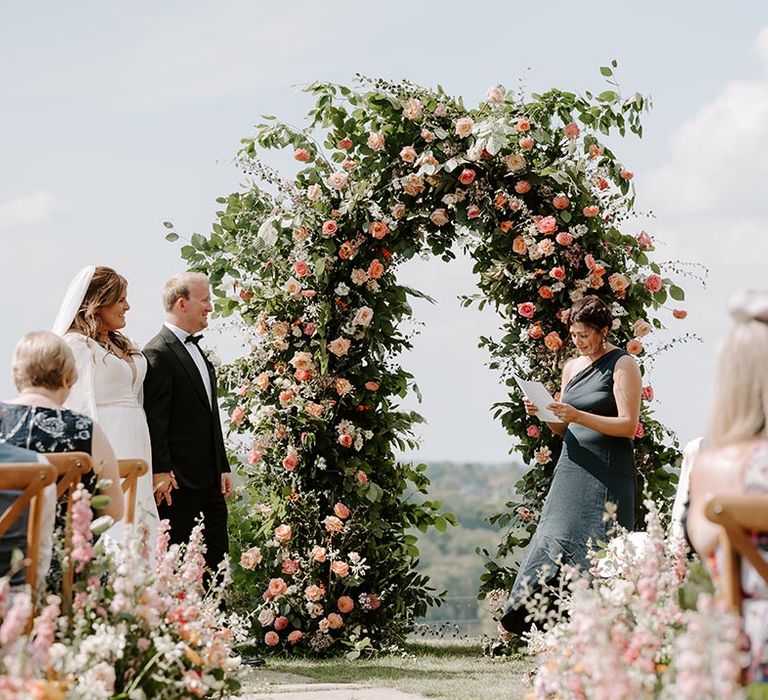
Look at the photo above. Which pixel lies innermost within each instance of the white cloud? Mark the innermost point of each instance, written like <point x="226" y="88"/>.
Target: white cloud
<point x="31" y="209"/>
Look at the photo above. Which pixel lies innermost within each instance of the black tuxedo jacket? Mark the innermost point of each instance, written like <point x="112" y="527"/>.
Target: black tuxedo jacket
<point x="184" y="427"/>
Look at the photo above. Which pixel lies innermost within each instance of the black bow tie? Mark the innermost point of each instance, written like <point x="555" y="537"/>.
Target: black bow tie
<point x="193" y="339"/>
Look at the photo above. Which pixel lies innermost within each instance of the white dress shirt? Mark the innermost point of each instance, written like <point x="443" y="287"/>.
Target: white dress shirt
<point x="197" y="357"/>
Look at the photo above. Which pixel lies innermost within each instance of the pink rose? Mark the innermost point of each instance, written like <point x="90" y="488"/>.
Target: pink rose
<point x="285" y="397"/>
<point x="439" y="217"/>
<point x="337" y="180"/>
<point x="345" y="604"/>
<point x="522" y="187"/>
<point x="467" y="176"/>
<point x="561" y="202"/>
<point x="679" y="313"/>
<point x="301" y="268"/>
<point x="526" y="143"/>
<point x="309" y="328"/>
<point x="618" y="283"/>
<point x="591" y="211"/>
<point x="289" y="567"/>
<point x="644" y="240"/>
<point x="547" y="225"/>
<point x="639" y="431"/>
<point x="653" y="283"/>
<point x="557" y="273"/>
<point x="276" y="587"/>
<point x="601" y="183"/>
<point x="295" y="636"/>
<point x="330" y="227"/>
<point x="526" y="309"/>
<point x="272" y="639"/>
<point x="345" y="440"/>
<point x="376" y="141"/>
<point x="237" y="415"/>
<point x="281" y="623"/>
<point x="571" y="131"/>
<point x="648" y="393"/>
<point x="378" y="229"/>
<point x="412" y="109"/>
<point x="290" y="461"/>
<point x="533" y="431"/>
<point x="626" y="174"/>
<point x="523" y="125"/>
<point x="495" y="94"/>
<point x="362" y="478"/>
<point x="473" y="211"/>
<point x="340" y="568"/>
<point x="464" y="127"/>
<point x="634" y="347"/>
<point x="564" y="238"/>
<point x="301" y="154"/>
<point x="535" y="332"/>
<point x="641" y="328"/>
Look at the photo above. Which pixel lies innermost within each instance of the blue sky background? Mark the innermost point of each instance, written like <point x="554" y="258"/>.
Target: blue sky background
<point x="118" y="116"/>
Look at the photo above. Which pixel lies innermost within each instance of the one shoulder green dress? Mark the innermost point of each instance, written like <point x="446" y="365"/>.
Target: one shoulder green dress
<point x="593" y="468"/>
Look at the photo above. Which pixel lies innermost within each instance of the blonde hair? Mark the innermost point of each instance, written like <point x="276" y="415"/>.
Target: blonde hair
<point x="107" y="287"/>
<point x="43" y="359"/>
<point x="740" y="409"/>
<point x="177" y="287"/>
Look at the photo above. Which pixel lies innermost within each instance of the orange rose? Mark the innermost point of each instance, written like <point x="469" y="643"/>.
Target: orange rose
<point x="335" y="621"/>
<point x="679" y="313"/>
<point x="546" y="292"/>
<point x="506" y="226"/>
<point x="375" y="270"/>
<point x="519" y="246"/>
<point x="634" y="347"/>
<point x="341" y="511"/>
<point x="378" y="230"/>
<point x="553" y="341"/>
<point x="276" y="587"/>
<point x="345" y="604"/>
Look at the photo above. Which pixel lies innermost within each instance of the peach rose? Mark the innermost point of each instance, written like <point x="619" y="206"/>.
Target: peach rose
<point x="344" y="144"/>
<point x="340" y="568"/>
<point x="439" y="217"/>
<point x="372" y="386"/>
<point x="526" y="143"/>
<point x="506" y="226"/>
<point x="618" y="282"/>
<point x="535" y="332"/>
<point x="301" y="268"/>
<point x="464" y="127"/>
<point x="515" y="162"/>
<point x="591" y="211"/>
<point x="495" y="94"/>
<point x="335" y="621"/>
<point x="641" y="327"/>
<point x="238" y="415"/>
<point x="519" y="246"/>
<point x="547" y="225"/>
<point x="339" y="346"/>
<point x="333" y="524"/>
<point x="408" y="154"/>
<point x="561" y="202"/>
<point x="312" y="592"/>
<point x="546" y="247"/>
<point x="546" y="292"/>
<point x="341" y="511"/>
<point x="413" y="185"/>
<point x="276" y="587"/>
<point x="330" y="227"/>
<point x="375" y="269"/>
<point x="271" y="639"/>
<point x="564" y="238"/>
<point x="679" y="313"/>
<point x="473" y="211"/>
<point x="412" y="109"/>
<point x="283" y="533"/>
<point x="522" y="187"/>
<point x="318" y="554"/>
<point x="301" y="154"/>
<point x="626" y="174"/>
<point x="653" y="283"/>
<point x="343" y="386"/>
<point x="399" y="211"/>
<point x="250" y="558"/>
<point x="553" y="341"/>
<point x="427" y="135"/>
<point x="315" y="410"/>
<point x="378" y="229"/>
<point x="557" y="273"/>
<point x="345" y="604"/>
<point x="634" y="347"/>
<point x="337" y="180"/>
<point x="285" y="397"/>
<point x="595" y="151"/>
<point x="523" y="125"/>
<point x="526" y="309"/>
<point x="601" y="183"/>
<point x="295" y="637"/>
<point x="571" y="131"/>
<point x="314" y="192"/>
<point x="467" y="176"/>
<point x="376" y="141"/>
<point x="300" y="234"/>
<point x="347" y="250"/>
<point x="359" y="276"/>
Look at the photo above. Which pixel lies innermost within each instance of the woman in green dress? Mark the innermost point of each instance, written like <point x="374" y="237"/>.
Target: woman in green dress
<point x="599" y="409"/>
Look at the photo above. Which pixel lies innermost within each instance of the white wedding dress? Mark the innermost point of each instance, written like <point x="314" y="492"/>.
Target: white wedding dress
<point x="108" y="390"/>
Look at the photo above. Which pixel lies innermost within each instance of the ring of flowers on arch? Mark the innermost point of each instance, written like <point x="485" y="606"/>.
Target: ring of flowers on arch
<point x="308" y="268"/>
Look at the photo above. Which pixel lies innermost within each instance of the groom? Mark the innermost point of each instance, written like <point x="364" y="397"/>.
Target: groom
<point x="191" y="475"/>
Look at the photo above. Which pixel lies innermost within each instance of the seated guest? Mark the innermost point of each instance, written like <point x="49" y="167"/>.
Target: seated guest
<point x="735" y="457"/>
<point x="43" y="371"/>
<point x="15" y="538"/>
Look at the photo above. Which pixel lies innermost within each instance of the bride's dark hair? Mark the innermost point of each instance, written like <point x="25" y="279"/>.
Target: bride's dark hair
<point x="107" y="287"/>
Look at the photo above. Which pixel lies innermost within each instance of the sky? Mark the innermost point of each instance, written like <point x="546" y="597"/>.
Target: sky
<point x="115" y="117"/>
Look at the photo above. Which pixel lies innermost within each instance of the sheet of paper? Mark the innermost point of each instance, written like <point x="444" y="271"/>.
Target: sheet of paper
<point x="538" y="395"/>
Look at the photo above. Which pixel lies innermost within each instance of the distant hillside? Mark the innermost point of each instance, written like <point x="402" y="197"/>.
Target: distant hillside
<point x="473" y="492"/>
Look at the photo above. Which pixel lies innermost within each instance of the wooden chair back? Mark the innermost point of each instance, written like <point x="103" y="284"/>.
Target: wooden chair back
<point x="740" y="516"/>
<point x="130" y="471"/>
<point x="70" y="469"/>
<point x="29" y="478"/>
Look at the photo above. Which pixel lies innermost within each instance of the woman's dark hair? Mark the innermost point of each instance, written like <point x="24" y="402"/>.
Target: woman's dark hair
<point x="591" y="311"/>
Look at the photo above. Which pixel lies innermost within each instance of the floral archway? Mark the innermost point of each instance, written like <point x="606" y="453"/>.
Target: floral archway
<point x="388" y="171"/>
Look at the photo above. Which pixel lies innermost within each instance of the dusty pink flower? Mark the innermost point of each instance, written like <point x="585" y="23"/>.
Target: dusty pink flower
<point x="561" y="202"/>
<point x="641" y="327"/>
<point x="439" y="217"/>
<point x="591" y="211"/>
<point x="526" y="143"/>
<point x="281" y="623"/>
<point x="523" y="125"/>
<point x="467" y="176"/>
<point x="340" y="568"/>
<point x="289" y="567"/>
<point x="339" y="346"/>
<point x="333" y="524"/>
<point x="237" y="415"/>
<point x="271" y="638"/>
<point x="533" y="431"/>
<point x="547" y="225"/>
<point x="495" y="94"/>
<point x="515" y="162"/>
<point x="626" y="174"/>
<point x="618" y="283"/>
<point x="526" y="309"/>
<point x="285" y="397"/>
<point x="301" y="268"/>
<point x="473" y="211"/>
<point x="276" y="588"/>
<point x="345" y="440"/>
<point x="564" y="238"/>
<point x="250" y="558"/>
<point x="399" y="210"/>
<point x="413" y="109"/>
<point x="330" y="227"/>
<point x="644" y="240"/>
<point x="378" y="229"/>
<point x="639" y="431"/>
<point x="301" y="154"/>
<point x="362" y="478"/>
<point x="318" y="554"/>
<point x="376" y="141"/>
<point x="522" y="187"/>
<point x="571" y="130"/>
<point x="557" y="273"/>
<point x="648" y="393"/>
<point x="653" y="283"/>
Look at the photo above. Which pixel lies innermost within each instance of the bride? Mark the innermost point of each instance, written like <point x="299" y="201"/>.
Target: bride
<point x="110" y="373"/>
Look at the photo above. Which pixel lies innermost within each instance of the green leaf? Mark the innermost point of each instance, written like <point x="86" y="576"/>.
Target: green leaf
<point x="172" y="236"/>
<point x="676" y="293"/>
<point x="607" y="72"/>
<point x="167" y="224"/>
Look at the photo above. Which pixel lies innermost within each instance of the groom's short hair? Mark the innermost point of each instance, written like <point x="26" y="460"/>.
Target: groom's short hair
<point x="177" y="287"/>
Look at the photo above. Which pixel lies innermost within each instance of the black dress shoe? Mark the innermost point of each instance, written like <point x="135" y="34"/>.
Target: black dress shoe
<point x="252" y="661"/>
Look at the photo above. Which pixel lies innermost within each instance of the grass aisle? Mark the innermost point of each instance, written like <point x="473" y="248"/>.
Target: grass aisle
<point x="438" y="669"/>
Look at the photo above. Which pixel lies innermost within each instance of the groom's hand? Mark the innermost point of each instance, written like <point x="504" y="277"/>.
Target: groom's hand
<point x="162" y="484"/>
<point x="226" y="484"/>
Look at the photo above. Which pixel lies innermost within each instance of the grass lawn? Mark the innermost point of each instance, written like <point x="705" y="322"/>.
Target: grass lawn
<point x="436" y="669"/>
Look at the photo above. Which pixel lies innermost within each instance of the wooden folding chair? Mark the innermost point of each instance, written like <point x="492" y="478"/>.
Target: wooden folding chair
<point x="130" y="471"/>
<point x="740" y="516"/>
<point x="70" y="469"/>
<point x="30" y="478"/>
